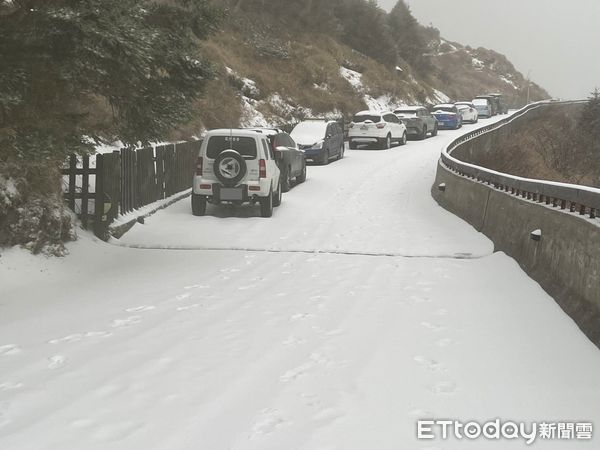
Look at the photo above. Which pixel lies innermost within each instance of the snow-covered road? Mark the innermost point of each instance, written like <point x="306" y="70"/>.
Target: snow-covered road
<point x="360" y="307"/>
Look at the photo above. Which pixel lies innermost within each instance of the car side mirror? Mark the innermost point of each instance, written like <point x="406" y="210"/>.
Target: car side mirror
<point x="328" y="136"/>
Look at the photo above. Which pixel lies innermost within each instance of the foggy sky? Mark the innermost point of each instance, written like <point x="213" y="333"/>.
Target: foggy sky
<point x="557" y="41"/>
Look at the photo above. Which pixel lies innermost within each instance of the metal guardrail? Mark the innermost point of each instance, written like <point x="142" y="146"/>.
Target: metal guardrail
<point x="582" y="199"/>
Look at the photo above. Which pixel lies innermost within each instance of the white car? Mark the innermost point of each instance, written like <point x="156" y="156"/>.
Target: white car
<point x="382" y="128"/>
<point x="236" y="166"/>
<point x="468" y="111"/>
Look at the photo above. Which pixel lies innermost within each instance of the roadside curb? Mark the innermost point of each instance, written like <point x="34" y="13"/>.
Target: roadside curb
<point x="118" y="231"/>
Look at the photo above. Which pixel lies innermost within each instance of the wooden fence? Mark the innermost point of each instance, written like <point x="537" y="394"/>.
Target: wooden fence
<point x="126" y="180"/>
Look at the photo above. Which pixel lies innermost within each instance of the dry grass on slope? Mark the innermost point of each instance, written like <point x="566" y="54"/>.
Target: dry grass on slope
<point x="308" y="78"/>
<point x="546" y="147"/>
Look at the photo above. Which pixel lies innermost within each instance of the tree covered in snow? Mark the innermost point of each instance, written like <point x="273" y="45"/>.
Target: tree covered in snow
<point x="65" y="62"/>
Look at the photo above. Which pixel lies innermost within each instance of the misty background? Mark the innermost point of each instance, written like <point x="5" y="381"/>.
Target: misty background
<point x="557" y="42"/>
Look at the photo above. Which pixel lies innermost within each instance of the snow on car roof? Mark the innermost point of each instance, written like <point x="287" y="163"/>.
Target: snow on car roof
<point x="369" y="113"/>
<point x="409" y="108"/>
<point x="266" y="130"/>
<point x="444" y="105"/>
<point x="235" y="131"/>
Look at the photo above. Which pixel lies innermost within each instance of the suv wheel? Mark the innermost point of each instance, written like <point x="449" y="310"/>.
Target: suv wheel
<point x="286" y="180"/>
<point x="266" y="205"/>
<point x="386" y="143"/>
<point x="341" y="154"/>
<point x="404" y="139"/>
<point x="278" y="196"/>
<point x="302" y="177"/>
<point x="423" y="133"/>
<point x="435" y="130"/>
<point x="198" y="205"/>
<point x="353" y="145"/>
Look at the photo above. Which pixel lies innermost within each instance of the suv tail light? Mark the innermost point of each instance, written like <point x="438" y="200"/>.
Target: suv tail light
<point x="199" y="166"/>
<point x="381" y="125"/>
<point x="262" y="169"/>
<point x="351" y="125"/>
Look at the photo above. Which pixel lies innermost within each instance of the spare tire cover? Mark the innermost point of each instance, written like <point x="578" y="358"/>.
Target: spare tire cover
<point x="230" y="168"/>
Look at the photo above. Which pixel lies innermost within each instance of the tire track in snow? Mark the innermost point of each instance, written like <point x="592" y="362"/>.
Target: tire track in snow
<point x="456" y="256"/>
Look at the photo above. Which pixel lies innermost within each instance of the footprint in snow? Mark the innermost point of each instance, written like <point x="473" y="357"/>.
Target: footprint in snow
<point x="444" y="342"/>
<point x="301" y="316"/>
<point x="187" y="308"/>
<point x="9" y="350"/>
<point x="245" y="288"/>
<point x="329" y="415"/>
<point x="143" y="308"/>
<point x="427" y="363"/>
<point x="70" y="338"/>
<point x="268" y="422"/>
<point x="56" y="362"/>
<point x="80" y="336"/>
<point x="10" y="386"/>
<point x="122" y="323"/>
<point x="294" y="341"/>
<point x="297" y="372"/>
<point x="441" y="312"/>
<point x="416" y="299"/>
<point x="197" y="286"/>
<point x="432" y="326"/>
<point x="444" y="388"/>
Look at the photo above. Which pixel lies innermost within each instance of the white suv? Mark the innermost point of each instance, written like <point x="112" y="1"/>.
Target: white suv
<point x="382" y="128"/>
<point x="236" y="166"/>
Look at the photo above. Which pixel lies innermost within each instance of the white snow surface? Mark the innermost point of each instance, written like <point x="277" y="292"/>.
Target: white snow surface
<point x="358" y="308"/>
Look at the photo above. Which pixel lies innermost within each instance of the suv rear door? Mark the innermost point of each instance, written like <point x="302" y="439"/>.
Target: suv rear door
<point x="395" y="126"/>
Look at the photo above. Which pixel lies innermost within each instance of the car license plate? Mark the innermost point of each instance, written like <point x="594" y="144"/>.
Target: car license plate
<point x="231" y="194"/>
<point x="364" y="127"/>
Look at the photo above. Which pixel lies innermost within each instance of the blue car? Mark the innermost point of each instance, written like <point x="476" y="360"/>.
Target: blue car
<point x="447" y="116"/>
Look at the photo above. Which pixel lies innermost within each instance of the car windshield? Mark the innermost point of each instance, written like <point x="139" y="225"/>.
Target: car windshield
<point x="245" y="146"/>
<point x="359" y="118"/>
<point x="309" y="132"/>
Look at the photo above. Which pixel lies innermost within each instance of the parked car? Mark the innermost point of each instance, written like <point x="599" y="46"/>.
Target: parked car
<point x="382" y="128"/>
<point x="320" y="139"/>
<point x="501" y="103"/>
<point x="484" y="107"/>
<point x="493" y="103"/>
<point x="418" y="121"/>
<point x="447" y="116"/>
<point x="468" y="111"/>
<point x="290" y="159"/>
<point x="236" y="166"/>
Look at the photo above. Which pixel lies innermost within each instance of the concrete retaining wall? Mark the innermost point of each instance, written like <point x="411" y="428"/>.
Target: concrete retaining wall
<point x="566" y="261"/>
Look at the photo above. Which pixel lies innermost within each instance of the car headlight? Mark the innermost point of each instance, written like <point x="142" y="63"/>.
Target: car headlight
<point x="318" y="145"/>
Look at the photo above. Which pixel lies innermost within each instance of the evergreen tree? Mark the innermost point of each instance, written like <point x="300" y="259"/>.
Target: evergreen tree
<point x="64" y="60"/>
<point x="408" y="35"/>
<point x="590" y="116"/>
